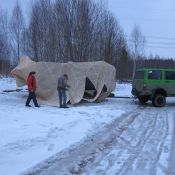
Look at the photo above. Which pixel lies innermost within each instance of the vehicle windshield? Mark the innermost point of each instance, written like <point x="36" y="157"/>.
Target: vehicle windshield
<point x="139" y="74"/>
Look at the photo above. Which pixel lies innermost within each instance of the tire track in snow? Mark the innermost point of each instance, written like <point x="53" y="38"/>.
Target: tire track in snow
<point x="128" y="151"/>
<point x="150" y="148"/>
<point x="162" y="134"/>
<point x="135" y="153"/>
<point x="143" y="157"/>
<point x="74" y="160"/>
<point x="148" y="158"/>
<point x="171" y="169"/>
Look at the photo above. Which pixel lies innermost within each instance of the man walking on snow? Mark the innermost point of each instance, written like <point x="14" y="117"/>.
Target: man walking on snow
<point x="62" y="88"/>
<point x="31" y="83"/>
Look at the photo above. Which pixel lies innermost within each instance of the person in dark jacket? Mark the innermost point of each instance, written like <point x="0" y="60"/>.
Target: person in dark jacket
<point x="31" y="83"/>
<point x="62" y="88"/>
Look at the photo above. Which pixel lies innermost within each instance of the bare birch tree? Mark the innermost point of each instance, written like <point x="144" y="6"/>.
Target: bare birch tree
<point x="17" y="27"/>
<point x="138" y="43"/>
<point x="4" y="43"/>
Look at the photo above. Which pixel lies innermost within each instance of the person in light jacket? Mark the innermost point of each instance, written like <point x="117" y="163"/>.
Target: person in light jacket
<point x="62" y="88"/>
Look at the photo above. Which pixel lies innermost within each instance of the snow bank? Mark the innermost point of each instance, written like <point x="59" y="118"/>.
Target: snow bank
<point x="7" y="83"/>
<point x="123" y="90"/>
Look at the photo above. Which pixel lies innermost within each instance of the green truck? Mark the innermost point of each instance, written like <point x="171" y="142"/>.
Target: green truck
<point x="154" y="85"/>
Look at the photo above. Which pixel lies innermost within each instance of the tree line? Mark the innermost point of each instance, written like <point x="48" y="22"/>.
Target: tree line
<point x="69" y="30"/>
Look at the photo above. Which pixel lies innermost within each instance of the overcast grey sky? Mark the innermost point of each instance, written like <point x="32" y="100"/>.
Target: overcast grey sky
<point x="156" y="19"/>
<point x="9" y="4"/>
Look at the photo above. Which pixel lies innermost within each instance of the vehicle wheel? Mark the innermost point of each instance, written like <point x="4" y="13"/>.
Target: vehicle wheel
<point x="159" y="100"/>
<point x="143" y="99"/>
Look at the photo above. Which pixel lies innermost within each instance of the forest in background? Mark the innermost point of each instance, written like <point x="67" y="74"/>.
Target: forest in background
<point x="72" y="30"/>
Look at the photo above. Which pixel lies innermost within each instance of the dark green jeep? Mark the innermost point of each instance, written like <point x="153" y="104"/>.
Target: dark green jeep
<point x="154" y="85"/>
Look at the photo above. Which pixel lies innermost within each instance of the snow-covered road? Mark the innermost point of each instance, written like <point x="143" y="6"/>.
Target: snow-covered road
<point x="117" y="136"/>
<point x="139" y="142"/>
<point x="143" y="148"/>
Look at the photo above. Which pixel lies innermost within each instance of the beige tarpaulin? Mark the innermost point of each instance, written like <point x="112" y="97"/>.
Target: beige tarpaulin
<point x="90" y="81"/>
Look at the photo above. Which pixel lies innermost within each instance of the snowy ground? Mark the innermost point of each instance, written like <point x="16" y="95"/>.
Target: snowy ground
<point x="116" y="136"/>
<point x="30" y="135"/>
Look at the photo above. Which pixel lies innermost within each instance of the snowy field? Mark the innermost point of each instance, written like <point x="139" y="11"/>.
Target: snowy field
<point x="30" y="135"/>
<point x="116" y="136"/>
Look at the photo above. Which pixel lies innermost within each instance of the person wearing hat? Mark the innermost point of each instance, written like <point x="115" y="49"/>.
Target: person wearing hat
<point x="62" y="88"/>
<point x="31" y="83"/>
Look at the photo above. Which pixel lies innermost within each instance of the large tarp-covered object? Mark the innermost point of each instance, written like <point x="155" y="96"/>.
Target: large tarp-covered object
<point x="91" y="81"/>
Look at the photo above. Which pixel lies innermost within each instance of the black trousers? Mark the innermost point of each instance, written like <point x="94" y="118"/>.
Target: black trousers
<point x="31" y="96"/>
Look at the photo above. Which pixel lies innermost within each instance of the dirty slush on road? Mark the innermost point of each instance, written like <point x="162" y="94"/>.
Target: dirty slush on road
<point x="139" y="142"/>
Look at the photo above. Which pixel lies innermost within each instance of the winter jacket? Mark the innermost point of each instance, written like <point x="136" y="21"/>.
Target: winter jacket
<point x="62" y="84"/>
<point x="31" y="82"/>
